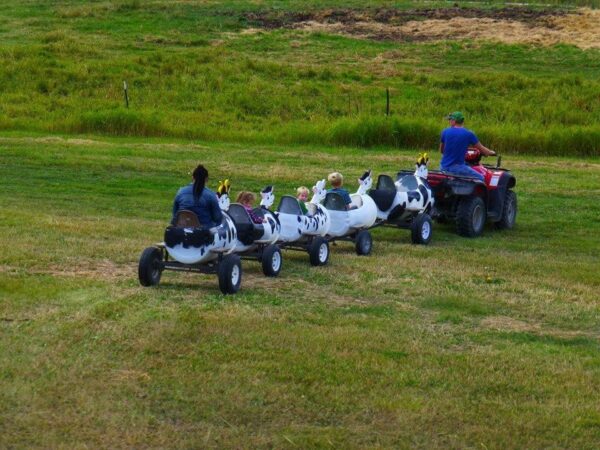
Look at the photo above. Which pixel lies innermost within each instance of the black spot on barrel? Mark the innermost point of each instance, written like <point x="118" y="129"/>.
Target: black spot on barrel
<point x="413" y="195"/>
<point x="299" y="218"/>
<point x="423" y="191"/>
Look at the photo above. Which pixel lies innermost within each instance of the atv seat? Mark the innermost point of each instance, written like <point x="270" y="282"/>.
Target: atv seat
<point x="334" y="202"/>
<point x="247" y="231"/>
<point x="289" y="205"/>
<point x="186" y="219"/>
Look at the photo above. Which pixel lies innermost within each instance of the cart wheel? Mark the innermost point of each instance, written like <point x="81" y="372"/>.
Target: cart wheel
<point x="421" y="229"/>
<point x="318" y="251"/>
<point x="230" y="274"/>
<point x="149" y="268"/>
<point x="271" y="260"/>
<point x="363" y="243"/>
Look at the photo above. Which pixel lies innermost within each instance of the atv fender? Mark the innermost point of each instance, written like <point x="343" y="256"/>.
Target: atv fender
<point x="496" y="197"/>
<point x="464" y="188"/>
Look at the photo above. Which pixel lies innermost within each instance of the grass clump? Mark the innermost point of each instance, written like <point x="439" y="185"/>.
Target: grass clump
<point x="121" y="122"/>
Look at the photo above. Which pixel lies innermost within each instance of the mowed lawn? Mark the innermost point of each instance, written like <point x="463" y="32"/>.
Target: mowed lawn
<point x="479" y="343"/>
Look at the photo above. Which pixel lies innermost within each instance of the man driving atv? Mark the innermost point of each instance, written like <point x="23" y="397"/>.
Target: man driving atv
<point x="454" y="143"/>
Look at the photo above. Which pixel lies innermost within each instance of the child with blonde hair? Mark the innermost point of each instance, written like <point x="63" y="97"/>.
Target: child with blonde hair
<point x="246" y="199"/>
<point x="302" y="196"/>
<point x="337" y="180"/>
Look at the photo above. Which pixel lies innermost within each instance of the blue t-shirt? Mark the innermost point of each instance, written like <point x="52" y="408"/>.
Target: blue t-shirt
<point x="206" y="207"/>
<point x="456" y="141"/>
<point x="344" y="193"/>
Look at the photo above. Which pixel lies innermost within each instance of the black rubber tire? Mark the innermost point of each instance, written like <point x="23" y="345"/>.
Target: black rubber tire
<point x="363" y="243"/>
<point x="318" y="251"/>
<point x="421" y="229"/>
<point x="470" y="216"/>
<point x="271" y="260"/>
<point x="509" y="212"/>
<point x="149" y="267"/>
<point x="230" y="274"/>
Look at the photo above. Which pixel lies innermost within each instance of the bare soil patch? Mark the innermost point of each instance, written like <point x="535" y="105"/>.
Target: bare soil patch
<point x="508" y="25"/>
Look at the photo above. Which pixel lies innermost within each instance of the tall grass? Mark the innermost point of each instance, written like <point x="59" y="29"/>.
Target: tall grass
<point x="192" y="74"/>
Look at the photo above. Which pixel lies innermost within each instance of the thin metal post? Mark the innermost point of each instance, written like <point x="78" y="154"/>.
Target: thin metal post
<point x="125" y="93"/>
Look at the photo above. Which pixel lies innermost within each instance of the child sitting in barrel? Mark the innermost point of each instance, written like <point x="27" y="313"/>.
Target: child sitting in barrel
<point x="246" y="199"/>
<point x="337" y="180"/>
<point x="302" y="196"/>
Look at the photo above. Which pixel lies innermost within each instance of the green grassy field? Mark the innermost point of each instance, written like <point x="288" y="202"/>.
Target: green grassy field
<point x="217" y="71"/>
<point x="482" y="343"/>
<point x="466" y="343"/>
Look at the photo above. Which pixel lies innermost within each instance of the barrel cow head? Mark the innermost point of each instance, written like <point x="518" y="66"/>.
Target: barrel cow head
<point x="223" y="194"/>
<point x="319" y="192"/>
<point x="267" y="197"/>
<point x="364" y="183"/>
<point x="421" y="166"/>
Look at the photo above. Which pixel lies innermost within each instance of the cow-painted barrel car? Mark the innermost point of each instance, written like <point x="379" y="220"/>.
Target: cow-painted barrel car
<point x="254" y="241"/>
<point x="189" y="247"/>
<point x="406" y="202"/>
<point x="352" y="224"/>
<point x="300" y="231"/>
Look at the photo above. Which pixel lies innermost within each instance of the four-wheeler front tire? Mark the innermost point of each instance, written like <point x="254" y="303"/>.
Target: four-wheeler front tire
<point x="470" y="216"/>
<point x="149" y="267"/>
<point x="509" y="212"/>
<point x="363" y="243"/>
<point x="230" y="274"/>
<point x="318" y="251"/>
<point x="420" y="229"/>
<point x="271" y="260"/>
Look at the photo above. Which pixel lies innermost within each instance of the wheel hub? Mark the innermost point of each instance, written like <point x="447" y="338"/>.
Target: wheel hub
<point x="276" y="261"/>
<point x="235" y="275"/>
<point x="323" y="252"/>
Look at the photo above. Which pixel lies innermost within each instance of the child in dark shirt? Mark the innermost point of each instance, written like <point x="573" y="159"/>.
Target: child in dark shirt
<point x="337" y="180"/>
<point x="246" y="199"/>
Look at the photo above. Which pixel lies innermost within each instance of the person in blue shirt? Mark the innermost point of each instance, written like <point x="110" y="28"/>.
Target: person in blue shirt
<point x="454" y="143"/>
<point x="196" y="197"/>
<point x="336" y="179"/>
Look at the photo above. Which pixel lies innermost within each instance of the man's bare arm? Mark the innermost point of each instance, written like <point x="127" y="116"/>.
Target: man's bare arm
<point x="441" y="147"/>
<point x="486" y="151"/>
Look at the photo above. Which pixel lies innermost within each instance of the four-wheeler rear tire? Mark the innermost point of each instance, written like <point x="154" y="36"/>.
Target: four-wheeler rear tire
<point x="420" y="229"/>
<point x="470" y="216"/>
<point x="318" y="251"/>
<point x="509" y="211"/>
<point x="363" y="243"/>
<point x="230" y="274"/>
<point x="271" y="260"/>
<point x="149" y="267"/>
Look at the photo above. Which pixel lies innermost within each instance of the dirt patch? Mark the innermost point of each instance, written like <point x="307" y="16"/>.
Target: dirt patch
<point x="102" y="270"/>
<point x="508" y="25"/>
<point x="504" y="323"/>
<point x="289" y="19"/>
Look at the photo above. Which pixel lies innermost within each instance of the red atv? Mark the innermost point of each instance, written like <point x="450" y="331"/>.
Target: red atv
<point x="470" y="202"/>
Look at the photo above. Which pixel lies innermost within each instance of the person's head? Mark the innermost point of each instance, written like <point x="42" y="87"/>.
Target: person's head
<point x="200" y="175"/>
<point x="456" y="118"/>
<point x="336" y="179"/>
<point x="302" y="193"/>
<point x="246" y="198"/>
